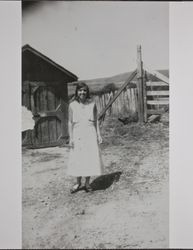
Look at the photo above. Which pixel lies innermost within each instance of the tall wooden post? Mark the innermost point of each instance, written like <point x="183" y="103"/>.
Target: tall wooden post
<point x="144" y="96"/>
<point x="140" y="85"/>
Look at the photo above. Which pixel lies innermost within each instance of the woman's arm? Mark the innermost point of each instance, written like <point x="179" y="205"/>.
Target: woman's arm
<point x="97" y="125"/>
<point x="70" y="126"/>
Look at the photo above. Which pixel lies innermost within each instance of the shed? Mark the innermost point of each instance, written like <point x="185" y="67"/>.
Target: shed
<point x="45" y="93"/>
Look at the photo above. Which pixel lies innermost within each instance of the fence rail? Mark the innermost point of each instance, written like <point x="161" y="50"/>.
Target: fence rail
<point x="157" y="99"/>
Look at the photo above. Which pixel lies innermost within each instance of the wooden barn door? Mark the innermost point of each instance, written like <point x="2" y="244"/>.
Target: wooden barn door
<point x="49" y="110"/>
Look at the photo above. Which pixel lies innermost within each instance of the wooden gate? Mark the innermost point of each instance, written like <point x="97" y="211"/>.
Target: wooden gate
<point x="152" y="97"/>
<point x="50" y="111"/>
<point x="157" y="97"/>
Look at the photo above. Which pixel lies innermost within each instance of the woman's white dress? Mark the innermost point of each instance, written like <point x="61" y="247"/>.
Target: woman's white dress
<point x="85" y="157"/>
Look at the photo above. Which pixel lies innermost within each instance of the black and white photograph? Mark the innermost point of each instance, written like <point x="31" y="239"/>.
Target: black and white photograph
<point x="95" y="124"/>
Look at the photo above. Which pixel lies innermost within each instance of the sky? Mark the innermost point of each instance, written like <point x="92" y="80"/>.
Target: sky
<point x="99" y="39"/>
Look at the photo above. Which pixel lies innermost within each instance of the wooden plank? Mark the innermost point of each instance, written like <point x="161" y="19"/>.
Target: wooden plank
<point x="28" y="98"/>
<point x="37" y="100"/>
<point x="117" y="94"/>
<point x="158" y="92"/>
<point x="47" y="121"/>
<point x="154" y="118"/>
<point x="59" y="116"/>
<point x="53" y="120"/>
<point x="39" y="133"/>
<point x="48" y="130"/>
<point x="110" y="97"/>
<point x="132" y="101"/>
<point x="155" y="112"/>
<point x="135" y="92"/>
<point x="43" y="107"/>
<point x="157" y="74"/>
<point x="50" y="99"/>
<point x="62" y="113"/>
<point x="40" y="84"/>
<point x="154" y="84"/>
<point x="127" y="100"/>
<point x="43" y="93"/>
<point x="144" y="98"/>
<point x="46" y="145"/>
<point x="140" y="85"/>
<point x="158" y="102"/>
<point x="161" y="98"/>
<point x="52" y="129"/>
<point x="33" y="109"/>
<point x="59" y="129"/>
<point x="45" y="134"/>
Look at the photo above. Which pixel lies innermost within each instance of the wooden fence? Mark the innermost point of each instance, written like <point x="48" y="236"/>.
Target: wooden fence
<point x="155" y="100"/>
<point x="149" y="98"/>
<point x="124" y="105"/>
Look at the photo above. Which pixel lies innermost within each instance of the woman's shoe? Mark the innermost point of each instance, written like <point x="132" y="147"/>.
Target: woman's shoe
<point x="88" y="188"/>
<point x="75" y="188"/>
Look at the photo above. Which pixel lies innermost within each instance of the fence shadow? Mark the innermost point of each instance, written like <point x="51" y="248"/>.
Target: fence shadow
<point x="105" y="181"/>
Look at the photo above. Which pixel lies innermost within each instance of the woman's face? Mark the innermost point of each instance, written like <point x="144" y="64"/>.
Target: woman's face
<point x="82" y="93"/>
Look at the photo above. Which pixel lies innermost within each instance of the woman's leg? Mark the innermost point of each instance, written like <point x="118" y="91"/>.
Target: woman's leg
<point x="76" y="187"/>
<point x="87" y="184"/>
<point x="79" y="180"/>
<point x="87" y="181"/>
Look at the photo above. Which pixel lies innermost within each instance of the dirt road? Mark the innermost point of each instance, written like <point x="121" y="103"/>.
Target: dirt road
<point x="129" y="205"/>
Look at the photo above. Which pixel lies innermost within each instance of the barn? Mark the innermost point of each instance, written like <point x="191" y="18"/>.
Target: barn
<point x="45" y="93"/>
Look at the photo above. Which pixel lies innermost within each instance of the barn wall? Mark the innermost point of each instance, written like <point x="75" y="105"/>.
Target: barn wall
<point x="47" y="98"/>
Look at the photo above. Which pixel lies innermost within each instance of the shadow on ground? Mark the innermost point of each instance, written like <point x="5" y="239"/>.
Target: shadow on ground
<point x="105" y="181"/>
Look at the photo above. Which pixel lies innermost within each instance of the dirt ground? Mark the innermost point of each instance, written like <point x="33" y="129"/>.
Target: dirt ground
<point x="129" y="207"/>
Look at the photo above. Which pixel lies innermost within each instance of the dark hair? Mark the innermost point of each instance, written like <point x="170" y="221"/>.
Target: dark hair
<point x="79" y="86"/>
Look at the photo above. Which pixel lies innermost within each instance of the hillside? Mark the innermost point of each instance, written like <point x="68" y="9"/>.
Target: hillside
<point x="102" y="85"/>
<point x="122" y="77"/>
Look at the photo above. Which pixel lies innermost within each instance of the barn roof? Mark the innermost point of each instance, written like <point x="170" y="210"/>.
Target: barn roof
<point x="27" y="47"/>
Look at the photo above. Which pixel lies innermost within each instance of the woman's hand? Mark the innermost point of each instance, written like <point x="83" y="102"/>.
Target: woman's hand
<point x="71" y="143"/>
<point x="99" y="138"/>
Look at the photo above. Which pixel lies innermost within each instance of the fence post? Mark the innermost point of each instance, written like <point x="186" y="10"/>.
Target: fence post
<point x="144" y="96"/>
<point x="140" y="85"/>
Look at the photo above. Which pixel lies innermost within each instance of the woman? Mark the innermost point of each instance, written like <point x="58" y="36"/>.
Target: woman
<point x="85" y="158"/>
